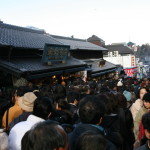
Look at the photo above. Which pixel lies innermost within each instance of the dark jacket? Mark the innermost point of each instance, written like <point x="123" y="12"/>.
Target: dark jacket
<point x="74" y="112"/>
<point x="129" y="125"/>
<point x="63" y="117"/>
<point x="123" y="128"/>
<point x="143" y="147"/>
<point x="73" y="108"/>
<point x="111" y="123"/>
<point x="81" y="128"/>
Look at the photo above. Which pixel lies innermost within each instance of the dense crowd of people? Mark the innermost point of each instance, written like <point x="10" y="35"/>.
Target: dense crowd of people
<point x="76" y="115"/>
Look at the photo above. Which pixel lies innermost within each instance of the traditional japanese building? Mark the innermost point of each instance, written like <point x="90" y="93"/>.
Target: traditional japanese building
<point x="21" y="54"/>
<point x="90" y="53"/>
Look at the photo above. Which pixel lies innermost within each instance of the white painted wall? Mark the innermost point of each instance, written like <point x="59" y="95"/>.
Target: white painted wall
<point x="125" y="61"/>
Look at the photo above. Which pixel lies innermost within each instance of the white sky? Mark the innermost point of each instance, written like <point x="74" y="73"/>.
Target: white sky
<point x="112" y="20"/>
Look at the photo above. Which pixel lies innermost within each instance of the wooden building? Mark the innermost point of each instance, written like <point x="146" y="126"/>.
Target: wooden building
<point x="21" y="53"/>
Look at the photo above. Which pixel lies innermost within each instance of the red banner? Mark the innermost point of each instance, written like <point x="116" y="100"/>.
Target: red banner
<point x="131" y="71"/>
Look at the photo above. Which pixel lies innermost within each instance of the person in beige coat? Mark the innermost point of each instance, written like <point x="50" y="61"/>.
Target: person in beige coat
<point x="137" y="105"/>
<point x="144" y="109"/>
<point x="137" y="120"/>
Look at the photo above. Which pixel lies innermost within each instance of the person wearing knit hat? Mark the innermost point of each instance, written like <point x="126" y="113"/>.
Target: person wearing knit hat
<point x="26" y="102"/>
<point x="42" y="110"/>
<point x="127" y="95"/>
<point x="15" y="110"/>
<point x="119" y="83"/>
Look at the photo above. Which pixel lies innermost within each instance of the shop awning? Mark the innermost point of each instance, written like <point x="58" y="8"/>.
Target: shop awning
<point x="33" y="68"/>
<point x="74" y="69"/>
<point x="102" y="72"/>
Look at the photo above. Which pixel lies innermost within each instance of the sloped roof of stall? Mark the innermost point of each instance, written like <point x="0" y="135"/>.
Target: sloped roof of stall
<point x="78" y="44"/>
<point x="95" y="65"/>
<point x="97" y="70"/>
<point x="20" y="37"/>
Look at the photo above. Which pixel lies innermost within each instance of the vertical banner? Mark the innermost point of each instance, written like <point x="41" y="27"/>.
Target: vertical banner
<point x="133" y="61"/>
<point x="84" y="76"/>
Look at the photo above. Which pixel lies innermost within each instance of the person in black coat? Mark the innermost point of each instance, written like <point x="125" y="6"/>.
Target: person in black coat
<point x="111" y="120"/>
<point x="73" y="100"/>
<point x="91" y="140"/>
<point x="91" y="112"/>
<point x="128" y="133"/>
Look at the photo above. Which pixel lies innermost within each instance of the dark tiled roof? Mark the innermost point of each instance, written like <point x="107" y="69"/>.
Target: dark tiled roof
<point x="122" y="49"/>
<point x="78" y="43"/>
<point x="20" y="37"/>
<point x="34" y="66"/>
<point x="95" y="65"/>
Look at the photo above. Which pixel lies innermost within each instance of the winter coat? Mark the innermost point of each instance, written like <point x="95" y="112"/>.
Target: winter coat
<point x="81" y="128"/>
<point x="130" y="126"/>
<point x="136" y="107"/>
<point x="111" y="123"/>
<point x="143" y="147"/>
<point x="137" y="120"/>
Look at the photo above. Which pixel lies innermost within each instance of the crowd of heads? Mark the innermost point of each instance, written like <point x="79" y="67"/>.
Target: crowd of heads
<point x="64" y="106"/>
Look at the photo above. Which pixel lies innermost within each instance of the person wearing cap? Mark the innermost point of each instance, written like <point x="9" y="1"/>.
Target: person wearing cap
<point x="26" y="103"/>
<point x="119" y="83"/>
<point x="15" y="110"/>
<point x="128" y="97"/>
<point x="42" y="110"/>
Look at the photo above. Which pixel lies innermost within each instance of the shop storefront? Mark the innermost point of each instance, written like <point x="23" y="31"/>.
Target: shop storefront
<point x="23" y="54"/>
<point x="54" y="64"/>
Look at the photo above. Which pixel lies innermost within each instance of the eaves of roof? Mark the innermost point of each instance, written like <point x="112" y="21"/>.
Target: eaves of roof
<point x="30" y="67"/>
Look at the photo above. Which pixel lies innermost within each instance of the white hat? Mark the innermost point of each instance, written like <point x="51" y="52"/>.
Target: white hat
<point x="119" y="83"/>
<point x="26" y="102"/>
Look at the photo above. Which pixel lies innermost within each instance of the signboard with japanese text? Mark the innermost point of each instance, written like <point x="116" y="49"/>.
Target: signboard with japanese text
<point x="133" y="61"/>
<point x="55" y="53"/>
